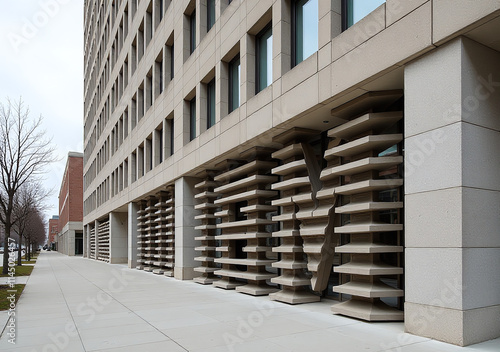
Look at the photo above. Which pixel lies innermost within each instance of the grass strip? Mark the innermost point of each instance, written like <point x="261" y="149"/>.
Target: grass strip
<point x="20" y="271"/>
<point x="6" y="291"/>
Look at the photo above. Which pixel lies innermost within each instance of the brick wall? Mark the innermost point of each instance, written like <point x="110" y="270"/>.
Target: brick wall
<point x="53" y="229"/>
<point x="71" y="192"/>
<point x="76" y="189"/>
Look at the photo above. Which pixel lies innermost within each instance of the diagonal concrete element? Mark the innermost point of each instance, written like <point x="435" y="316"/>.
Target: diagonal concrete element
<point x="316" y="227"/>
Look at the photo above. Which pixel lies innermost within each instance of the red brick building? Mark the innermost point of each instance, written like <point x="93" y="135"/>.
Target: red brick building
<point x="70" y="226"/>
<point x="53" y="230"/>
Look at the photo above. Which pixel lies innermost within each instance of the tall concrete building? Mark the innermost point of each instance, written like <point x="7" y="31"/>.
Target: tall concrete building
<point x="302" y="149"/>
<point x="70" y="236"/>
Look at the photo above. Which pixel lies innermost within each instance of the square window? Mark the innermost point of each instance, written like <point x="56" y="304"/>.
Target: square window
<point x="234" y="83"/>
<point x="172" y="135"/>
<point x="210" y="14"/>
<point x="305" y="29"/>
<point x="192" y="29"/>
<point x="211" y="103"/>
<point x="355" y="10"/>
<point x="264" y="61"/>
<point x="192" y="119"/>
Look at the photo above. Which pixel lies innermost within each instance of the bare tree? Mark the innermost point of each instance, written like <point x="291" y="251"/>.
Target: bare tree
<point x="28" y="201"/>
<point x="34" y="232"/>
<point x="25" y="151"/>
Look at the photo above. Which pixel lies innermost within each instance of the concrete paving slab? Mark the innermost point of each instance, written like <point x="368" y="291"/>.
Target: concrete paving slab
<point x="77" y="304"/>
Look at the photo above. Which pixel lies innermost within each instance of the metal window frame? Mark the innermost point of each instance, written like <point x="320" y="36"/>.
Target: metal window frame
<point x="192" y="30"/>
<point x="258" y="37"/>
<point x="231" y="108"/>
<point x="209" y="102"/>
<point x="208" y="14"/>
<point x="192" y="123"/>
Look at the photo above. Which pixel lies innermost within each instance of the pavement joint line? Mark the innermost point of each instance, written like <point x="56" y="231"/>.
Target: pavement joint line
<point x="67" y="306"/>
<point x="400" y="346"/>
<point x="122" y="304"/>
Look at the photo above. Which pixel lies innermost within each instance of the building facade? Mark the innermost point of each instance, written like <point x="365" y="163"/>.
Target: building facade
<point x="70" y="237"/>
<point x="53" y="229"/>
<point x="302" y="149"/>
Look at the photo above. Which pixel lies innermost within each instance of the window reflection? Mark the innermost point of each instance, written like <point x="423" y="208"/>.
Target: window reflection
<point x="211" y="104"/>
<point x="264" y="58"/>
<point x="192" y="119"/>
<point x="358" y="9"/>
<point x="305" y="29"/>
<point x="192" y="28"/>
<point x="234" y="84"/>
<point x="210" y="14"/>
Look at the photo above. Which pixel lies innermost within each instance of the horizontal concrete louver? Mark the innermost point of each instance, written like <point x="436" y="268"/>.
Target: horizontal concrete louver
<point x="147" y="233"/>
<point x="295" y="183"/>
<point x="362" y="165"/>
<point x="103" y="241"/>
<point x="155" y="239"/>
<point x="150" y="234"/>
<point x="164" y="222"/>
<point x="245" y="268"/>
<point x="92" y="244"/>
<point x="207" y="208"/>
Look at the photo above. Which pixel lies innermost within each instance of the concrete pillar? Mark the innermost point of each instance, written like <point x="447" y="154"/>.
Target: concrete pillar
<point x="133" y="208"/>
<point x="330" y="22"/>
<point x="87" y="242"/>
<point x="201" y="20"/>
<point x="70" y="242"/>
<point x="201" y="109"/>
<point x="452" y="194"/>
<point x="221" y="90"/>
<point x="85" y="236"/>
<point x="247" y="68"/>
<point x="184" y="228"/>
<point x="282" y="36"/>
<point x="118" y="238"/>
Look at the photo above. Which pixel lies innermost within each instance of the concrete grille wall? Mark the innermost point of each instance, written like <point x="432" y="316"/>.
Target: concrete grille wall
<point x="102" y="239"/>
<point x="295" y="184"/>
<point x="245" y="201"/>
<point x="93" y="244"/>
<point x="156" y="233"/>
<point x="208" y="230"/>
<point x="371" y="236"/>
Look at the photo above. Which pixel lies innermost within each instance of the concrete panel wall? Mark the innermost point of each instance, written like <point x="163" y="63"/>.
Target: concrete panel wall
<point x="132" y="234"/>
<point x="184" y="228"/>
<point x="452" y="194"/>
<point x="118" y="237"/>
<point x="66" y="238"/>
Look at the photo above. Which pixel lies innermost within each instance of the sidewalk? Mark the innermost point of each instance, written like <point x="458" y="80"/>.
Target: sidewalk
<point x="75" y="304"/>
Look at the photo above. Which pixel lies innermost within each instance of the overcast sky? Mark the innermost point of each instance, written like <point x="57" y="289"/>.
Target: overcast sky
<point x="41" y="60"/>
